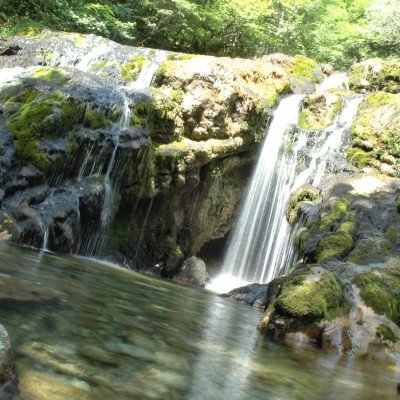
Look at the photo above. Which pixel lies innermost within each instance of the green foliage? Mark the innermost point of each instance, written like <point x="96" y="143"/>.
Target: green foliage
<point x="335" y="31"/>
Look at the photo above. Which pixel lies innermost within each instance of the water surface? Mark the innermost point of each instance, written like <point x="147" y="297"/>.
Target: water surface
<point x="82" y="329"/>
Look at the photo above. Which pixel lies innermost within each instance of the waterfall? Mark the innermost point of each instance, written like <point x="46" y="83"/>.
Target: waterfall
<point x="260" y="245"/>
<point x="148" y="70"/>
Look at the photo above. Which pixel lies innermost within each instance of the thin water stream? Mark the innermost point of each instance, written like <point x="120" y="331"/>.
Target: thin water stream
<point x="81" y="329"/>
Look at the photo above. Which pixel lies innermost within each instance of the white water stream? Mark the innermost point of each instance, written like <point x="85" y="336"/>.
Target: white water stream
<point x="260" y="245"/>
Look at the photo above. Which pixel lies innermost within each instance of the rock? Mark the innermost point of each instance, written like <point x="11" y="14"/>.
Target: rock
<point x="254" y="294"/>
<point x="375" y="74"/>
<point x="318" y="110"/>
<point x="97" y="354"/>
<point x="7" y="367"/>
<point x="18" y="291"/>
<point x="343" y="296"/>
<point x="193" y="272"/>
<point x="374" y="142"/>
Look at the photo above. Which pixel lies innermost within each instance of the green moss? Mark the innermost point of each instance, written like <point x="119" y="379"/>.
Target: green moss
<point x="95" y="119"/>
<point x="98" y="64"/>
<point x="312" y="297"/>
<point x="43" y="56"/>
<point x="336" y="245"/>
<point x="305" y="193"/>
<point x="176" y="56"/>
<point x="333" y="212"/>
<point x="122" y="231"/>
<point x="378" y="294"/>
<point x="370" y="250"/>
<point x="360" y="158"/>
<point x="375" y="74"/>
<point x="56" y="75"/>
<point x="381" y="98"/>
<point x="384" y="333"/>
<point x="304" y="67"/>
<point x="318" y="110"/>
<point x="392" y="234"/>
<point x="131" y="70"/>
<point x="34" y="115"/>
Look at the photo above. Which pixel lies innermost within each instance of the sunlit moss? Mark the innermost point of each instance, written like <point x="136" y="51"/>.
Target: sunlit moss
<point x="380" y="293"/>
<point x="318" y="297"/>
<point x="131" y="70"/>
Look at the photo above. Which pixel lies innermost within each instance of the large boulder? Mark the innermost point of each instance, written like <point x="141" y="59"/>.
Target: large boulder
<point x="193" y="272"/>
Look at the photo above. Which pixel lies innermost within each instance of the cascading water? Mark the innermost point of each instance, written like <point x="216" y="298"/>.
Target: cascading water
<point x="260" y="245"/>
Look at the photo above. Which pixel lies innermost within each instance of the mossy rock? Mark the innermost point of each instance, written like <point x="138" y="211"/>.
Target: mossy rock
<point x="304" y="194"/>
<point x="95" y="118"/>
<point x="375" y="133"/>
<point x="370" y="250"/>
<point x="131" y="70"/>
<point x="54" y="75"/>
<point x="303" y="67"/>
<point x="334" y="246"/>
<point x="163" y="116"/>
<point x="375" y="74"/>
<point x="380" y="290"/>
<point x="360" y="158"/>
<point x="313" y="294"/>
<point x="319" y="110"/>
<point x="33" y="115"/>
<point x="332" y="213"/>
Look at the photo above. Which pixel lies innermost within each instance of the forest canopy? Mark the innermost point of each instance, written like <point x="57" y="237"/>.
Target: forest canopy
<point x="339" y="32"/>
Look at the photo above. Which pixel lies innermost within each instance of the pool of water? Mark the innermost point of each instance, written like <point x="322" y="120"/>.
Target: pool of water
<point x="82" y="329"/>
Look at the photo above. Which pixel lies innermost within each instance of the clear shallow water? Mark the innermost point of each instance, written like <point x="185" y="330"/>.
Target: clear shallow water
<point x="85" y="330"/>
